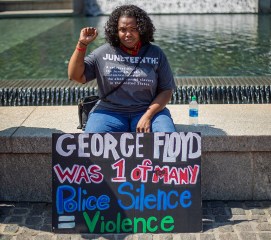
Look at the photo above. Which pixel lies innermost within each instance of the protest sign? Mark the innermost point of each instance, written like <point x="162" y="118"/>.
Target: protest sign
<point x="126" y="183"/>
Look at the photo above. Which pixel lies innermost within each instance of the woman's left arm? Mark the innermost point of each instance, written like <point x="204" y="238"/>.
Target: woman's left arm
<point x="157" y="105"/>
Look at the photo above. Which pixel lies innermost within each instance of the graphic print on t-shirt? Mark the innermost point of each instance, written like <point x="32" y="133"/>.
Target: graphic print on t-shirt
<point x="115" y="73"/>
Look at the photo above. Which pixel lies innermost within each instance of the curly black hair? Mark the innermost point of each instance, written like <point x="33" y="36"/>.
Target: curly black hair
<point x="144" y="24"/>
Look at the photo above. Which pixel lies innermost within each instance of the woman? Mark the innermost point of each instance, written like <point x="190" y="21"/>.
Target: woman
<point x="139" y="105"/>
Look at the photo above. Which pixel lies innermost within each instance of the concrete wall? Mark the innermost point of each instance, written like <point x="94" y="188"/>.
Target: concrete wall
<point x="96" y="7"/>
<point x="236" y="153"/>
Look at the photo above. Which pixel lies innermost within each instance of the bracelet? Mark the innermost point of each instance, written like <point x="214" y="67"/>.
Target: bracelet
<point x="81" y="49"/>
<point x="82" y="43"/>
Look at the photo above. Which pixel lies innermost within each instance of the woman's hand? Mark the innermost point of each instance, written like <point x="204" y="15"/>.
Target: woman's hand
<point x="88" y="35"/>
<point x="76" y="65"/>
<point x="144" y="124"/>
<point x="157" y="105"/>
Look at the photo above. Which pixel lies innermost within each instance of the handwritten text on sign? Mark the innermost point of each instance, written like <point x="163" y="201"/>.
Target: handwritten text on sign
<point x="126" y="182"/>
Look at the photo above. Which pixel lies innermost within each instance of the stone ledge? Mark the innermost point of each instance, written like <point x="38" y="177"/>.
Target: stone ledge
<point x="237" y="128"/>
<point x="37" y="13"/>
<point x="236" y="151"/>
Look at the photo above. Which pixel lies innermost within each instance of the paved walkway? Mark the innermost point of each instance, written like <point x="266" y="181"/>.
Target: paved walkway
<point x="221" y="221"/>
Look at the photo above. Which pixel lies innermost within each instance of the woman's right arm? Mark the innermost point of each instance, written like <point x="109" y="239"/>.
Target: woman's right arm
<point x="76" y="65"/>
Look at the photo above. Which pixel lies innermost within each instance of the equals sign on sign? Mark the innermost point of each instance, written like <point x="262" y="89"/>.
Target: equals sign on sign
<point x="66" y="222"/>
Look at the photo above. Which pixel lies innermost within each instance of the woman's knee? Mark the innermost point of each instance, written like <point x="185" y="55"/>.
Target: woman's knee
<point x="105" y="122"/>
<point x="163" y="122"/>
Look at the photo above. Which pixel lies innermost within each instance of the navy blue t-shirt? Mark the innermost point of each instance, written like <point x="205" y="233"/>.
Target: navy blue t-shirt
<point x="109" y="65"/>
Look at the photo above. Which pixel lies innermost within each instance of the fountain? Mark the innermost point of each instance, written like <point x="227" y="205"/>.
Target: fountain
<point x="98" y="7"/>
<point x="209" y="90"/>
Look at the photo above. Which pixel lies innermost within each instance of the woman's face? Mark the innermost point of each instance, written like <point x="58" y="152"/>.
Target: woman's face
<point x="127" y="31"/>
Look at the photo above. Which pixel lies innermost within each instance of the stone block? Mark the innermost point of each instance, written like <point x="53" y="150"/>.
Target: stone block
<point x="11" y="120"/>
<point x="5" y="145"/>
<point x="227" y="176"/>
<point x="35" y="134"/>
<point x="236" y="143"/>
<point x="25" y="177"/>
<point x="262" y="175"/>
<point x="235" y="149"/>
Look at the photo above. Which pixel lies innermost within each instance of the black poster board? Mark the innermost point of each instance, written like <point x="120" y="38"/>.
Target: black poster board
<point x="126" y="183"/>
